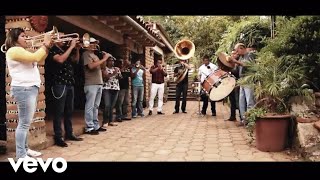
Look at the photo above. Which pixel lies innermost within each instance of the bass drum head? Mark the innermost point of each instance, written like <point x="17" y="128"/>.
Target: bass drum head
<point x="223" y="90"/>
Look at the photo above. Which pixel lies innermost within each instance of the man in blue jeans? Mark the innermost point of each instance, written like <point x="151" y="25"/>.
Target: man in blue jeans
<point x="62" y="90"/>
<point x="93" y="87"/>
<point x="138" y="89"/>
<point x="246" y="94"/>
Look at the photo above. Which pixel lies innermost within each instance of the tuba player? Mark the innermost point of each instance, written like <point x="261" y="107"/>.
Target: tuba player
<point x="182" y="86"/>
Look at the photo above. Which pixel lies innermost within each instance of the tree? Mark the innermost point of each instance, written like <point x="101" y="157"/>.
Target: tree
<point x="249" y="30"/>
<point x="204" y="31"/>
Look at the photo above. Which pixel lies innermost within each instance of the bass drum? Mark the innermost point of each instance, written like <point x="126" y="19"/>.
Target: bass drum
<point x="219" y="84"/>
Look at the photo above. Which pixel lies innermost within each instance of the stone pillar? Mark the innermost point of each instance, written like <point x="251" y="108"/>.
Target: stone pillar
<point x="33" y="25"/>
<point x="149" y="61"/>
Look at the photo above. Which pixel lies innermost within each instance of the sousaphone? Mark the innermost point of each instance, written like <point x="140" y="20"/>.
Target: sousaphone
<point x="183" y="50"/>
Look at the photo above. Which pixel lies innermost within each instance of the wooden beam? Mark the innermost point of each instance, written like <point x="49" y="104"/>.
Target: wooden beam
<point x="112" y="18"/>
<point x="94" y="26"/>
<point x="119" y="28"/>
<point x="137" y="36"/>
<point x="126" y="29"/>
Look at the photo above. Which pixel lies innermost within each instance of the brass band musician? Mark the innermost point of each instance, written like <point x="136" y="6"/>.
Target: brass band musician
<point x="204" y="70"/>
<point x="182" y="86"/>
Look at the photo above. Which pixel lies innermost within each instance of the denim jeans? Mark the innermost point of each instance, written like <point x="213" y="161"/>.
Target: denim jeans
<point x="122" y="104"/>
<point x="246" y="100"/>
<point x="137" y="100"/>
<point x="26" y="98"/>
<point x="63" y="101"/>
<point x="93" y="98"/>
<point x="110" y="99"/>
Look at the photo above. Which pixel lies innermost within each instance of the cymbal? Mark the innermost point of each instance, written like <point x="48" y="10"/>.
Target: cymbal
<point x="224" y="58"/>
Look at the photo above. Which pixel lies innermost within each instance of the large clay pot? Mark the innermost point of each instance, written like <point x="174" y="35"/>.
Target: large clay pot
<point x="272" y="132"/>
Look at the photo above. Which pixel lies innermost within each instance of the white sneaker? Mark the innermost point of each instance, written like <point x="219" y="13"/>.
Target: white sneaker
<point x="25" y="158"/>
<point x="33" y="153"/>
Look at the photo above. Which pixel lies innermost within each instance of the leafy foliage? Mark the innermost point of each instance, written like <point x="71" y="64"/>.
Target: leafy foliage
<point x="252" y="115"/>
<point x="250" y="30"/>
<point x="274" y="82"/>
<point x="297" y="42"/>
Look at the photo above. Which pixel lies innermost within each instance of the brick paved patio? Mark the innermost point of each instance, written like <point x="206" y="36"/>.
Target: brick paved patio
<point x="169" y="137"/>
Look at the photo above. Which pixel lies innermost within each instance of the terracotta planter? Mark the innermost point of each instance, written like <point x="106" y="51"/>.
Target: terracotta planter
<point x="272" y="132"/>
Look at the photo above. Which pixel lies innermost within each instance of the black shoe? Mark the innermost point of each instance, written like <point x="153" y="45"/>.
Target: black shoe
<point x="74" y="138"/>
<point x="159" y="112"/>
<point x="150" y="113"/>
<point x="61" y="143"/>
<point x="175" y="112"/>
<point x="119" y="120"/>
<point x="184" y="112"/>
<point x="101" y="129"/>
<point x="92" y="132"/>
<point x="231" y="119"/>
<point x="126" y="119"/>
<point x="214" y="114"/>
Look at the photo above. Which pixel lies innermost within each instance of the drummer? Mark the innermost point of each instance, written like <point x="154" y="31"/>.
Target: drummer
<point x="205" y="70"/>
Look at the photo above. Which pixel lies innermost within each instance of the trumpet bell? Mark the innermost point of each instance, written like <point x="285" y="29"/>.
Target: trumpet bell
<point x="86" y="40"/>
<point x="184" y="49"/>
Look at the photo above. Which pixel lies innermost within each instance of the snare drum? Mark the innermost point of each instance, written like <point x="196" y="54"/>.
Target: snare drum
<point x="219" y="84"/>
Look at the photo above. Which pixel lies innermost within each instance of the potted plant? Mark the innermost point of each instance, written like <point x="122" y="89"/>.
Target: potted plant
<point x="274" y="84"/>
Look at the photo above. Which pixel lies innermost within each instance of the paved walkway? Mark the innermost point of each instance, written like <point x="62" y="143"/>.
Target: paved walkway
<point x="169" y="137"/>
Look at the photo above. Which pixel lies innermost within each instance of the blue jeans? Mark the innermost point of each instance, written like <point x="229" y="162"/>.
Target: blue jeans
<point x="93" y="98"/>
<point x="63" y="98"/>
<point x="26" y="98"/>
<point x="137" y="97"/>
<point x="122" y="104"/>
<point x="246" y="100"/>
<point x="110" y="99"/>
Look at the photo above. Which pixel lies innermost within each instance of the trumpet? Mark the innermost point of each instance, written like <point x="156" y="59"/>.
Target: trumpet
<point x="119" y="75"/>
<point x="139" y="66"/>
<point x="35" y="42"/>
<point x="87" y="45"/>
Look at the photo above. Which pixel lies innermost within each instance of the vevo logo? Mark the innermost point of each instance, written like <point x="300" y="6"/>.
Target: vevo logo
<point x="30" y="165"/>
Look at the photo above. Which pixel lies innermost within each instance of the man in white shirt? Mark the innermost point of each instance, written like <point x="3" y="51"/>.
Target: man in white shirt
<point x="204" y="70"/>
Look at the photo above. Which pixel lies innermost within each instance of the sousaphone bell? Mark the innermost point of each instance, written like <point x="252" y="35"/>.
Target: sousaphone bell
<point x="183" y="50"/>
